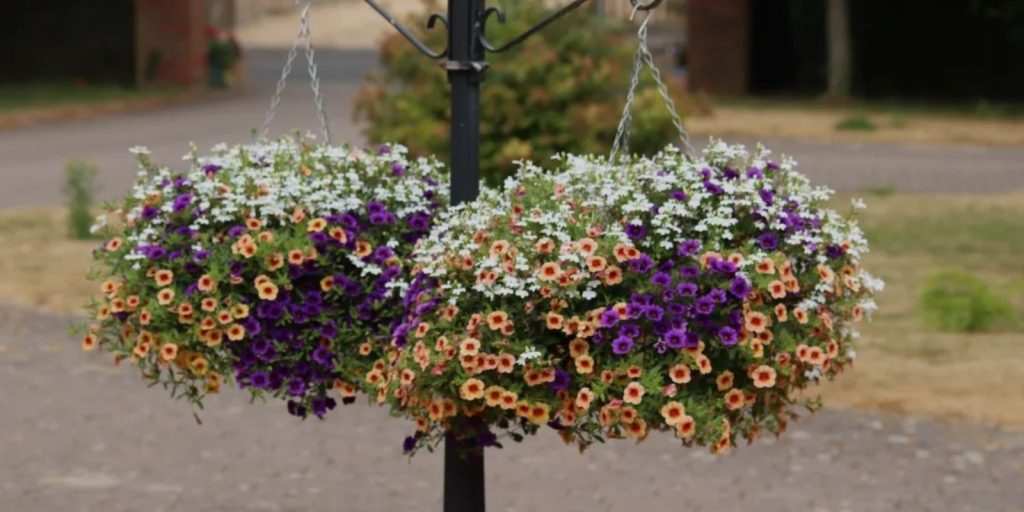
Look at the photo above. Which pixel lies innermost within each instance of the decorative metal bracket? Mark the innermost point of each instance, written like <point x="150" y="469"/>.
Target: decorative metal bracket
<point x="497" y="11"/>
<point x="409" y="36"/>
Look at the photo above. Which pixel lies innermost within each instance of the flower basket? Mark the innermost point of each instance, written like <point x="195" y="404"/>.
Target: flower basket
<point x="609" y="300"/>
<point x="272" y="265"/>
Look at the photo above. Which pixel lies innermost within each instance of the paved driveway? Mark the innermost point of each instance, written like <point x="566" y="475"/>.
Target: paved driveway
<point x="80" y="435"/>
<point x="32" y="160"/>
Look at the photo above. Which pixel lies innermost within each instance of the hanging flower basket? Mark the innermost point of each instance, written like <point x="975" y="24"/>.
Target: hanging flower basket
<point x="271" y="264"/>
<point x="695" y="296"/>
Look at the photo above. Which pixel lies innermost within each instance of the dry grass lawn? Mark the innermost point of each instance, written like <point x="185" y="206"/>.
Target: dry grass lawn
<point x="820" y="124"/>
<point x="903" y="365"/>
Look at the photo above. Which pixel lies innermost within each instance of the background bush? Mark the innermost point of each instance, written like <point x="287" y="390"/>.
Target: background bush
<point x="962" y="302"/>
<point x="80" y="192"/>
<point x="562" y="90"/>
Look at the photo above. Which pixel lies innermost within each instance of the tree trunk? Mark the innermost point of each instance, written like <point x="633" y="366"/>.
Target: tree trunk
<point x="840" y="65"/>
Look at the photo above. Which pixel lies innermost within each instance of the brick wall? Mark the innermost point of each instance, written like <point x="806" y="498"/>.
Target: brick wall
<point x="170" y="42"/>
<point x="718" y="52"/>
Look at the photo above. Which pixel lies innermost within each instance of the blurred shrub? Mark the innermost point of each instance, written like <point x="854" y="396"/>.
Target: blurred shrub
<point x="856" y="123"/>
<point x="80" y="192"/>
<point x="962" y="302"/>
<point x="562" y="90"/>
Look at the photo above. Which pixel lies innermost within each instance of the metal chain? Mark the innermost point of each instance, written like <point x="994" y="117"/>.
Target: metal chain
<point x="304" y="36"/>
<point x="643" y="56"/>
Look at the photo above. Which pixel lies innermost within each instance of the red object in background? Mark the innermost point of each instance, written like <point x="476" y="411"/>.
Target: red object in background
<point x="171" y="42"/>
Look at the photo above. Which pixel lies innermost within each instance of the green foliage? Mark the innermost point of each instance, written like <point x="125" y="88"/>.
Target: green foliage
<point x="958" y="301"/>
<point x="562" y="90"/>
<point x="856" y="123"/>
<point x="80" y="192"/>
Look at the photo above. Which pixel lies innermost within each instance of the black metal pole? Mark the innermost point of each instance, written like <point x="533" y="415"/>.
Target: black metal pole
<point x="466" y="64"/>
<point x="464" y="466"/>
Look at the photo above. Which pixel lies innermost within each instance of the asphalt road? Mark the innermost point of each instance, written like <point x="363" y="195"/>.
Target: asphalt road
<point x="81" y="435"/>
<point x="32" y="159"/>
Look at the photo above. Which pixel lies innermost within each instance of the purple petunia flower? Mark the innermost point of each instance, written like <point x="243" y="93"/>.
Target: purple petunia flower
<point x="630" y="330"/>
<point x="717" y="296"/>
<point x="322" y="355"/>
<point x="562" y="380"/>
<point x="622" y="345"/>
<point x="635" y="231"/>
<point x="688" y="248"/>
<point x="728" y="335"/>
<point x="149" y="212"/>
<point x="236" y="231"/>
<point x="723" y="266"/>
<point x="397" y="169"/>
<point x="834" y="252"/>
<point x="182" y="202"/>
<point x="662" y="279"/>
<point x="767" y="196"/>
<point x="730" y="173"/>
<point x="375" y="207"/>
<point x="739" y="288"/>
<point x="211" y="169"/>
<point x="686" y="289"/>
<point x="754" y="173"/>
<point x="768" y="241"/>
<point x="641" y="265"/>
<point x="677" y="195"/>
<point x="383" y="149"/>
<point x="689" y="271"/>
<point x="692" y="340"/>
<point x="675" y="338"/>
<point x="297" y="387"/>
<point x="704" y="305"/>
<point x="654" y="313"/>
<point x="419" y="221"/>
<point x="322" y="405"/>
<point x="259" y="380"/>
<point x="409" y="444"/>
<point x="609" y="317"/>
<point x="713" y="188"/>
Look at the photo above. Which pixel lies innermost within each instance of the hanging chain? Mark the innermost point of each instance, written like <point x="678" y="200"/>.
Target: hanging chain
<point x="643" y="57"/>
<point x="314" y="79"/>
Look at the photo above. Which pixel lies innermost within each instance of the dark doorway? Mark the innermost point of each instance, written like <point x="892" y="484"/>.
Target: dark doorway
<point x="787" y="47"/>
<point x="64" y="40"/>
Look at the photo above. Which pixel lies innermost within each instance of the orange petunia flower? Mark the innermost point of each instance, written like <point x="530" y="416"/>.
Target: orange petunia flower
<point x="267" y="291"/>
<point x="680" y="374"/>
<point x="496" y="320"/>
<point x="587" y="246"/>
<point x="550" y="271"/>
<point x="469" y="347"/>
<point x="168" y="351"/>
<point x="206" y="283"/>
<point x="584" y="365"/>
<point x="634" y="393"/>
<point x="763" y="376"/>
<point x="165" y="296"/>
<point x="734" y="399"/>
<point x="724" y="380"/>
<point x="163" y="277"/>
<point x="316" y="225"/>
<point x="90" y="342"/>
<point x="673" y="412"/>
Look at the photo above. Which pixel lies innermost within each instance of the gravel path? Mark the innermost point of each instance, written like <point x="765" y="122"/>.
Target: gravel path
<point x="80" y="435"/>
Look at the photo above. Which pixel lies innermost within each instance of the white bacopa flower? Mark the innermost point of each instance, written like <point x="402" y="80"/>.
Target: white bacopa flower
<point x="528" y="354"/>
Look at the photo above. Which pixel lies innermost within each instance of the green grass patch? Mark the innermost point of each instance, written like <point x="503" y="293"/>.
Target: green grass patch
<point x="856" y="123"/>
<point x="32" y="96"/>
<point x="957" y="301"/>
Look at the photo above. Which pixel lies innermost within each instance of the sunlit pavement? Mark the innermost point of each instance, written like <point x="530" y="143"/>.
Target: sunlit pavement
<point x="32" y="159"/>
